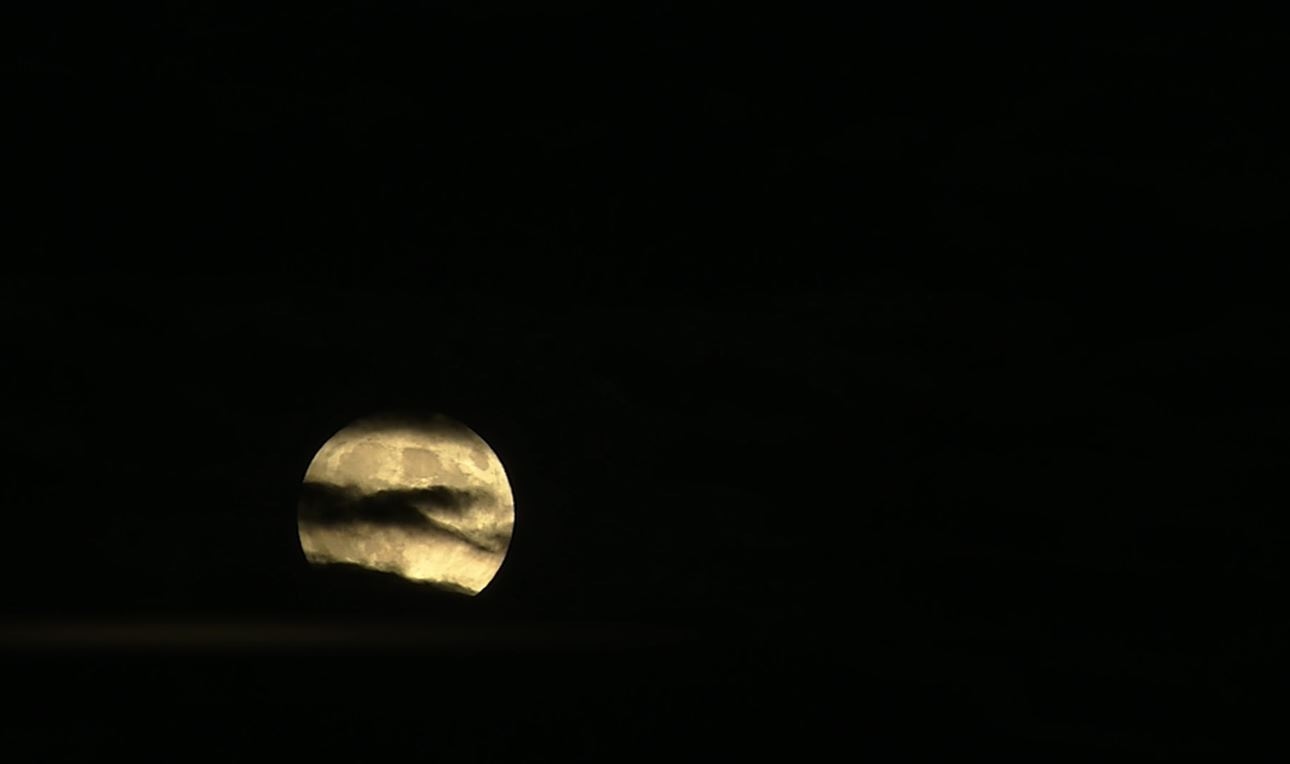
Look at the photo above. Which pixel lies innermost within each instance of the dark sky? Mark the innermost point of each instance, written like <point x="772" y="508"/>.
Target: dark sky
<point x="908" y="379"/>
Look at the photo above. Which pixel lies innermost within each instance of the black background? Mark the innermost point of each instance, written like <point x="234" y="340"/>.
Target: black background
<point x="899" y="381"/>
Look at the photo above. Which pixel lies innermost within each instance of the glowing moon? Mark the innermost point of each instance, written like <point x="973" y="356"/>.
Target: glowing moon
<point x="422" y="497"/>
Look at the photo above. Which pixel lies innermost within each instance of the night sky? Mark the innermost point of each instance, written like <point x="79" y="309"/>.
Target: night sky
<point x="902" y="382"/>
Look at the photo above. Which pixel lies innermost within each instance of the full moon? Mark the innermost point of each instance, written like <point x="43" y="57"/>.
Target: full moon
<point x="423" y="497"/>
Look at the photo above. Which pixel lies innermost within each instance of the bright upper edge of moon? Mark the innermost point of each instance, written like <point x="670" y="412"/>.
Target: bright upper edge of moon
<point x="420" y="496"/>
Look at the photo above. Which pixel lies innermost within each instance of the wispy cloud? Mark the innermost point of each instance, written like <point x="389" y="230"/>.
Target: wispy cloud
<point x="415" y="510"/>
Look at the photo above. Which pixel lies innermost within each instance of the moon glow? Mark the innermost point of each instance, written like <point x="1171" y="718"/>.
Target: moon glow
<point x="422" y="497"/>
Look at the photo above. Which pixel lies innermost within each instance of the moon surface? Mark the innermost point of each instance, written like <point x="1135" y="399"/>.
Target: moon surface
<point x="423" y="497"/>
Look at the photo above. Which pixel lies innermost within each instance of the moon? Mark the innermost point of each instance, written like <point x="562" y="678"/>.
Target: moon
<point x="420" y="496"/>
